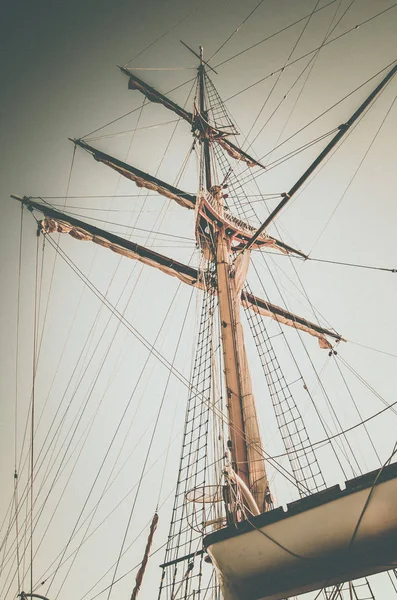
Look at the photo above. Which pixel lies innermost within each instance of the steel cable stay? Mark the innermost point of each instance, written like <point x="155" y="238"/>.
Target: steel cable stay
<point x="152" y="349"/>
<point x="275" y="34"/>
<point x="310" y="66"/>
<point x="134" y="110"/>
<point x="44" y="444"/>
<point x="236" y="30"/>
<point x="30" y="426"/>
<point x="311" y="62"/>
<point x="252" y="177"/>
<point x="327" y="153"/>
<point x="245" y="215"/>
<point x="220" y="337"/>
<point x="273" y="87"/>
<point x="171" y="137"/>
<point x="333" y="262"/>
<point x="356" y="407"/>
<point x="310" y="52"/>
<point x="327" y="110"/>
<point x="345" y="453"/>
<point x="72" y="553"/>
<point x="48" y="300"/>
<point x="150" y="442"/>
<point x="355" y="173"/>
<point x="318" y="117"/>
<point x="124" y="412"/>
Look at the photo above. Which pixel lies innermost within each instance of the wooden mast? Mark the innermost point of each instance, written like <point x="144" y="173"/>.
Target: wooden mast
<point x="245" y="439"/>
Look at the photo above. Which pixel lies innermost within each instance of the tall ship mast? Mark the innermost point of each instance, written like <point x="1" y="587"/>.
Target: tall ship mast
<point x="228" y="537"/>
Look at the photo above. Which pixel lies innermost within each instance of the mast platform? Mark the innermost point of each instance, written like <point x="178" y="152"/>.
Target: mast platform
<point x="327" y="538"/>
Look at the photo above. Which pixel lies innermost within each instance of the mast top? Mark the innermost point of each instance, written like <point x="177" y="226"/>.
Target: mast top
<point x="200" y="56"/>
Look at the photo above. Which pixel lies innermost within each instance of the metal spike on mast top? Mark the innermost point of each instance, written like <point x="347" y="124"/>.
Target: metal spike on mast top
<point x="200" y="56"/>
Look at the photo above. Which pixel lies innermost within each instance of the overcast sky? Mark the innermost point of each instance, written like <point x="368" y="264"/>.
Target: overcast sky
<point x="59" y="80"/>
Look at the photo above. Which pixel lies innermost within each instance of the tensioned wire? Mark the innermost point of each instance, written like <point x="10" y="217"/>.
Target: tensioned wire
<point x="356" y="407"/>
<point x="150" y="446"/>
<point x="311" y="64"/>
<point x="69" y="179"/>
<point x="317" y="118"/>
<point x="153" y="350"/>
<point x="136" y="409"/>
<point x="241" y="91"/>
<point x="251" y="176"/>
<point x="324" y="424"/>
<point x="174" y="130"/>
<point x="104" y="520"/>
<point x="178" y="86"/>
<point x="270" y="36"/>
<point x="16" y="400"/>
<point x="278" y="79"/>
<point x="331" y="445"/>
<point x="332" y="153"/>
<point x="45" y="314"/>
<point x="30" y="421"/>
<point x="100" y="469"/>
<point x="355" y="173"/>
<point x="310" y="52"/>
<point x="166" y="32"/>
<point x="236" y="30"/>
<point x="312" y="61"/>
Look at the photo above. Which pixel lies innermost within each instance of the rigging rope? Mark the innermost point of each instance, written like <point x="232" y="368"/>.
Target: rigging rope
<point x="310" y="52"/>
<point x="274" y="34"/>
<point x="236" y="30"/>
<point x="354" y="176"/>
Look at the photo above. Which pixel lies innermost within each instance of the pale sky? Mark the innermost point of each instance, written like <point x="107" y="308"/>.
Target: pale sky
<point x="60" y="80"/>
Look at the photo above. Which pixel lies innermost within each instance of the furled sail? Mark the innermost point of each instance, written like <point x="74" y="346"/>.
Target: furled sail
<point x="57" y="221"/>
<point x="142" y="179"/>
<point x="197" y="121"/>
<point x="266" y="309"/>
<point x="134" y="83"/>
<point x="139" y="177"/>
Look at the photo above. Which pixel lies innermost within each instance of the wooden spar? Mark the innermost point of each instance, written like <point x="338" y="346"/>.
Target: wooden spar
<point x="245" y="438"/>
<point x="135" y="83"/>
<point x="184" y="199"/>
<point x="85" y="231"/>
<point x="247" y="457"/>
<point x="142" y="568"/>
<point x="141" y="178"/>
<point x="342" y="130"/>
